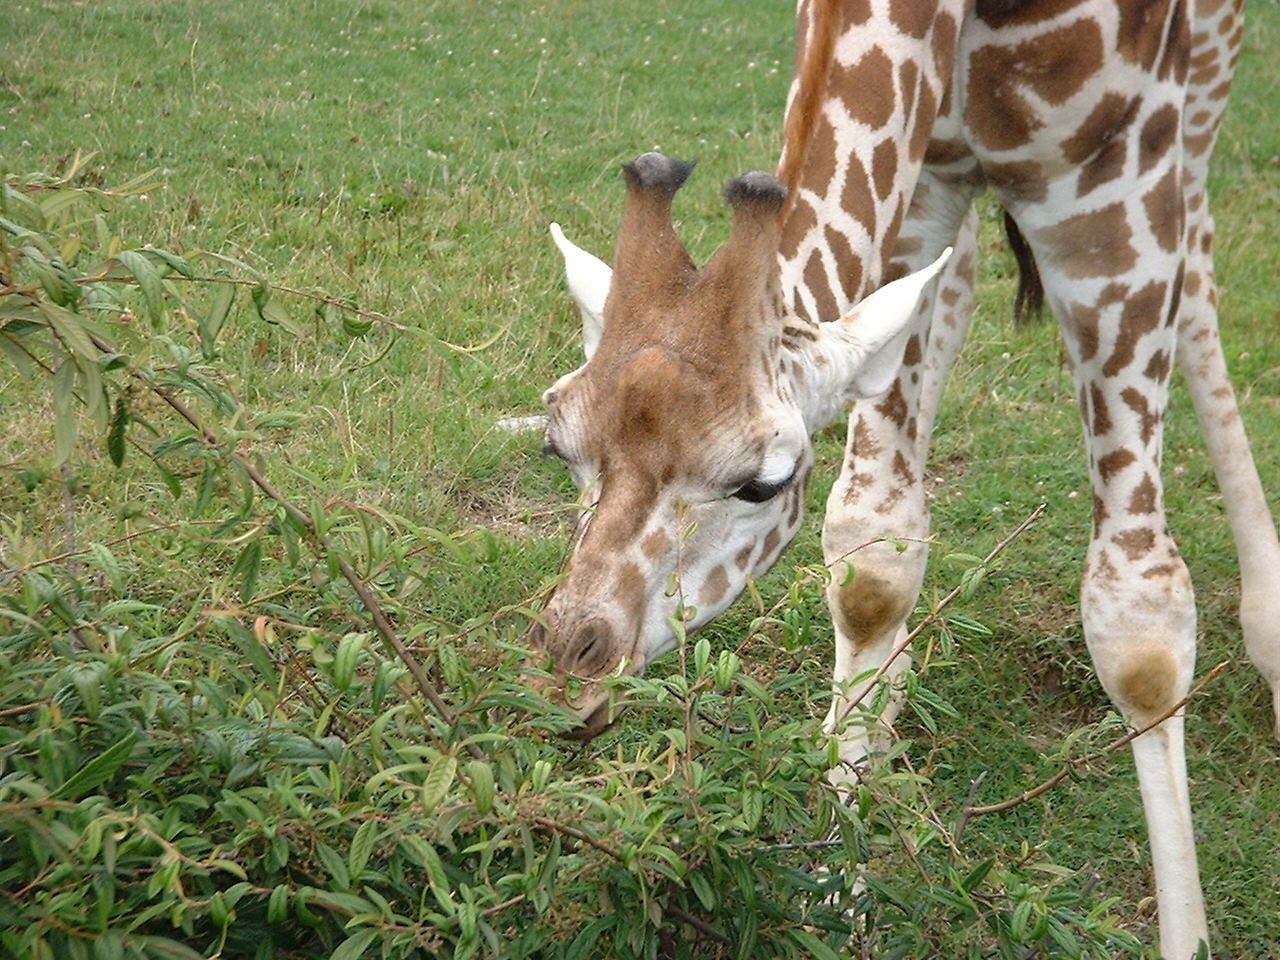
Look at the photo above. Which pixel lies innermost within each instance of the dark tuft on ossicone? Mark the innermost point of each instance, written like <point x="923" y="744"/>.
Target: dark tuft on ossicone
<point x="655" y="171"/>
<point x="756" y="187"/>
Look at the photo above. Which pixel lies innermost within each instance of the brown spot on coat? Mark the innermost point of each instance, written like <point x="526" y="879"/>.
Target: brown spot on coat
<point x="866" y="88"/>
<point x="945" y="31"/>
<point x="902" y="469"/>
<point x="1105" y="165"/>
<point x="820" y="160"/>
<point x="1145" y="497"/>
<point x="913" y="17"/>
<point x="855" y="198"/>
<point x="999" y="13"/>
<point x="848" y="263"/>
<point x="884" y="166"/>
<point x="1106" y="121"/>
<point x="864" y="441"/>
<point x="1094" y="244"/>
<point x="922" y="127"/>
<point x="912" y="354"/>
<point x="715" y="587"/>
<point x="800" y="221"/>
<point x="1163" y="204"/>
<point x="1141" y="31"/>
<point x="945" y="152"/>
<point x="656" y="545"/>
<point x="1136" y="544"/>
<point x="1099" y="513"/>
<point x="894" y="405"/>
<point x="1113" y="463"/>
<point x="1158" y="367"/>
<point x="1101" y="417"/>
<point x="1021" y="179"/>
<point x="1148" y="418"/>
<point x="771" y="542"/>
<point x="1159" y="133"/>
<point x="815" y="279"/>
<point x="1054" y="65"/>
<point x="1140" y="316"/>
<point x="908" y="77"/>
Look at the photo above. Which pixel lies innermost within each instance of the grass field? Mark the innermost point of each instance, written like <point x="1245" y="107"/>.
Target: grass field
<point x="407" y="157"/>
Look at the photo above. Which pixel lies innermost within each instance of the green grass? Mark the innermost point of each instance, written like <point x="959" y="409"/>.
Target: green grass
<point x="408" y="156"/>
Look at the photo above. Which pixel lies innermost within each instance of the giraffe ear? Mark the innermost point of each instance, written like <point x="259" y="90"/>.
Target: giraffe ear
<point x="875" y="328"/>
<point x="588" y="278"/>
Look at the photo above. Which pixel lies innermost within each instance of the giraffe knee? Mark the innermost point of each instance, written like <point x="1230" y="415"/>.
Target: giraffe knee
<point x="868" y="608"/>
<point x="1148" y="682"/>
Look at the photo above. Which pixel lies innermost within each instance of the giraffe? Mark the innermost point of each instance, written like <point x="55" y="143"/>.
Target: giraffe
<point x="687" y="429"/>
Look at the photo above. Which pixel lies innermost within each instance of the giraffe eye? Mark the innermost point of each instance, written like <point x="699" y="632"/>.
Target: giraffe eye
<point x="758" y="491"/>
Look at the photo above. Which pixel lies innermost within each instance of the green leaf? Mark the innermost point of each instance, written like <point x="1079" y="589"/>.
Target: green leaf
<point x="354" y="947"/>
<point x="345" y="660"/>
<point x="54" y="276"/>
<point x="355" y="326"/>
<point x="174" y="261"/>
<point x="584" y="944"/>
<point x="272" y="312"/>
<point x="813" y="946"/>
<point x="98" y="770"/>
<point x="752" y="808"/>
<point x="248" y="566"/>
<point x="278" y="904"/>
<point x="71" y="330"/>
<point x="439" y="779"/>
<point x="211" y="324"/>
<point x="361" y="847"/>
<point x="116" y="433"/>
<point x="702" y="890"/>
<point x="170" y="479"/>
<point x="249" y="645"/>
<point x="481" y="776"/>
<point x="65" y="416"/>
<point x="148" y="278"/>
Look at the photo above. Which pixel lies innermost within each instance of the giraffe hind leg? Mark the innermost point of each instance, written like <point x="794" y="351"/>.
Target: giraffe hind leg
<point x="1204" y="371"/>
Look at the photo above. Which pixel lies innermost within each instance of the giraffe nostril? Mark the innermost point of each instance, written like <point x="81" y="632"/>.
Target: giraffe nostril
<point x="589" y="651"/>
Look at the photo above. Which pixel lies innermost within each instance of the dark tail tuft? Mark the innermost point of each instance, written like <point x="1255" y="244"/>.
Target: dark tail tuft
<point x="1028" y="305"/>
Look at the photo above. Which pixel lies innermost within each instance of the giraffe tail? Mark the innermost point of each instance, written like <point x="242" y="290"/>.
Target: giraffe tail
<point x="1028" y="304"/>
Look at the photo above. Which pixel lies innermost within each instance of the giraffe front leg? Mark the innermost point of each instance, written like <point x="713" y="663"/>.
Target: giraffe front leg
<point x="1140" y="623"/>
<point x="880" y="493"/>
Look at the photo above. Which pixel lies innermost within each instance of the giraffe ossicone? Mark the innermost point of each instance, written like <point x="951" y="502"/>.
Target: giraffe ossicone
<point x="1092" y="122"/>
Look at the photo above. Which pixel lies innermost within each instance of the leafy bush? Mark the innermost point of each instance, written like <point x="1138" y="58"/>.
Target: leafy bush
<point x="250" y="741"/>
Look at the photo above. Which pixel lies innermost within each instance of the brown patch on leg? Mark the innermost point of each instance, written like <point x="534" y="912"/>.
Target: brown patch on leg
<point x="866" y="609"/>
<point x="1096" y="244"/>
<point x="1146" y="685"/>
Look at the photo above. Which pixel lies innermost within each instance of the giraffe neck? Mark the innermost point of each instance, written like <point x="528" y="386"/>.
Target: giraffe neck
<point x="868" y="87"/>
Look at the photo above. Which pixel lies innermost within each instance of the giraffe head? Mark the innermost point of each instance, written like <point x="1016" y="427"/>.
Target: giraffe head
<point x="687" y="431"/>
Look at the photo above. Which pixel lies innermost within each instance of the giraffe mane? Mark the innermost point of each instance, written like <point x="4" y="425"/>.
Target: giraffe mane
<point x="813" y="65"/>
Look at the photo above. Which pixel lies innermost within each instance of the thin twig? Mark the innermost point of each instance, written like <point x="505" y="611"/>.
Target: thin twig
<point x="25" y="708"/>
<point x="1110" y="748"/>
<point x="965" y="813"/>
